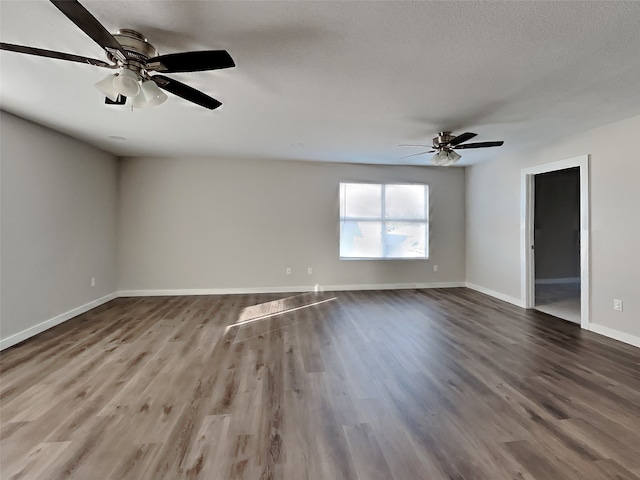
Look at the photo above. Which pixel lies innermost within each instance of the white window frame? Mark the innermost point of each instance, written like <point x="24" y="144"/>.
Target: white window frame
<point x="383" y="220"/>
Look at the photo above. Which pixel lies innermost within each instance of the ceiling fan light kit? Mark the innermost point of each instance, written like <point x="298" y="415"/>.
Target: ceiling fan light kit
<point x="137" y="61"/>
<point x="144" y="93"/>
<point x="445" y="158"/>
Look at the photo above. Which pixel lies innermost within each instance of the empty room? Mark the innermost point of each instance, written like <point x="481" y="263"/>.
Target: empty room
<point x="319" y="240"/>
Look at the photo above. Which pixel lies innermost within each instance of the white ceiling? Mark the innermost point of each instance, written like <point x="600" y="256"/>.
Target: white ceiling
<point x="338" y="81"/>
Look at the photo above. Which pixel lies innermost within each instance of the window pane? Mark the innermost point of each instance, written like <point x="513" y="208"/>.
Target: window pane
<point x="361" y="239"/>
<point x="405" y="201"/>
<point x="360" y="200"/>
<point x="405" y="239"/>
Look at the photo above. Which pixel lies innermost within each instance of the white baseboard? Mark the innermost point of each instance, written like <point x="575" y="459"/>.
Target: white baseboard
<point x="498" y="295"/>
<point x="290" y="289"/>
<point x="52" y="322"/>
<point x="176" y="292"/>
<point x="615" y="334"/>
<point x="553" y="281"/>
<point x="390" y="286"/>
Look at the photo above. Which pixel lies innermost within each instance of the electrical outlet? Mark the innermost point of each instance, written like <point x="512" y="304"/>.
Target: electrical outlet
<point x="93" y="281"/>
<point x="288" y="270"/>
<point x="617" y="305"/>
<point x="435" y="268"/>
<point x="310" y="270"/>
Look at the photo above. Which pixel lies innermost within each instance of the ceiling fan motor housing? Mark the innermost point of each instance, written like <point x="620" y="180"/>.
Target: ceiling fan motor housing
<point x="138" y="49"/>
<point x="442" y="140"/>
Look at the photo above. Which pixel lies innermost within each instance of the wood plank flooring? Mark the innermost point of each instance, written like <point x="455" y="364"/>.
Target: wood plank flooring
<point x="405" y="385"/>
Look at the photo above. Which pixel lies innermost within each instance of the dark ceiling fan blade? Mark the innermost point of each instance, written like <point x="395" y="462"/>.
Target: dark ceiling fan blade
<point x="415" y="154"/>
<point x="186" y="92"/>
<point x="89" y="25"/>
<point x="463" y="137"/>
<point x="40" y="52"/>
<point x="120" y="100"/>
<point x="411" y="145"/>
<point x="191" y="61"/>
<point x="479" y="145"/>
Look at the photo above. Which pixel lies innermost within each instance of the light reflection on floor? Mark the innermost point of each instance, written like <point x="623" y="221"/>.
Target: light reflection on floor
<point x="278" y="307"/>
<point x="560" y="300"/>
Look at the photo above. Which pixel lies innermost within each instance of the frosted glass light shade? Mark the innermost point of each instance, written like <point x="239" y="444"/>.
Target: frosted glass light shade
<point x="139" y="101"/>
<point x="152" y="94"/>
<point x="106" y="87"/>
<point x="447" y="163"/>
<point x="453" y="156"/>
<point x="439" y="158"/>
<point x="126" y="83"/>
<point x="445" y="158"/>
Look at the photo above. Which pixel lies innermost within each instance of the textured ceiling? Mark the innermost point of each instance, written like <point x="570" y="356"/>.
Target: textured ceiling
<point x="338" y="81"/>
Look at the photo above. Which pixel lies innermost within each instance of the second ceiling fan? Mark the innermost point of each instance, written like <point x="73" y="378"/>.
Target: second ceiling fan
<point x="445" y="144"/>
<point x="137" y="62"/>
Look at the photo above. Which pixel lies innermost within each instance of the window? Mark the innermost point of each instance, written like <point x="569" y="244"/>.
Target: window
<point x="384" y="220"/>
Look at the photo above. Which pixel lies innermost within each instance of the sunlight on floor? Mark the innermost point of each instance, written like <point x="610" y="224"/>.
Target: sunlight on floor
<point x="560" y="300"/>
<point x="278" y="307"/>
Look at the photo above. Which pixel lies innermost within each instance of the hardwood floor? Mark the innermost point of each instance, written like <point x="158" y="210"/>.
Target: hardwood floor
<point x="405" y="385"/>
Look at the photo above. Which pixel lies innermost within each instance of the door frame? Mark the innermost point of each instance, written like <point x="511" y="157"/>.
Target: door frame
<point x="527" y="273"/>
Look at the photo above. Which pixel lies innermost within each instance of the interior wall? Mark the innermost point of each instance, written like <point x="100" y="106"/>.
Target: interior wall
<point x="189" y="224"/>
<point x="493" y="221"/>
<point x="58" y="224"/>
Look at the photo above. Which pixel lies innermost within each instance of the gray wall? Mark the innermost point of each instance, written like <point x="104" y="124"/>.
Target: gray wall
<point x="557" y="224"/>
<point x="214" y="224"/>
<point x="493" y="220"/>
<point x="58" y="224"/>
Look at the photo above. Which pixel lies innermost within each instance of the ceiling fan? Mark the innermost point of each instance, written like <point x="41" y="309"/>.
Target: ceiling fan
<point x="444" y="145"/>
<point x="137" y="62"/>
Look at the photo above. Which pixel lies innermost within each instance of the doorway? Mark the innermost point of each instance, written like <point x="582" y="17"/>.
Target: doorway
<point x="555" y="239"/>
